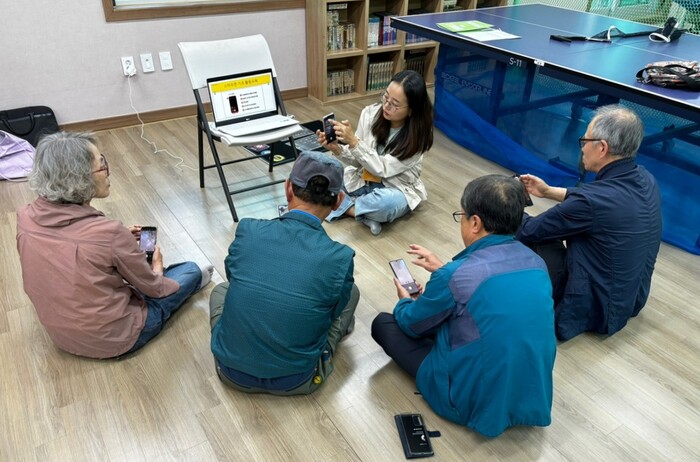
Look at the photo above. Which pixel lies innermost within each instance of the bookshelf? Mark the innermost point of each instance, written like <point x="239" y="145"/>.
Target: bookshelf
<point x="352" y="51"/>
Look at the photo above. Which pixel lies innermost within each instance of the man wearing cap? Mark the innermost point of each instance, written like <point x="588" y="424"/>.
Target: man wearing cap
<point x="290" y="295"/>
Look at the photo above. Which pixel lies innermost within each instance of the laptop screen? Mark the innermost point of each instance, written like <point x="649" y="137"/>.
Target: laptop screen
<point x="241" y="97"/>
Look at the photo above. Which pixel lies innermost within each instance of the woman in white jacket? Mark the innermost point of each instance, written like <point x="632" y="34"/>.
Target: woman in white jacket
<point x="383" y="157"/>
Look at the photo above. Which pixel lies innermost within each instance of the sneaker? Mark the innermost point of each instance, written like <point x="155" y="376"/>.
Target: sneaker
<point x="374" y="226"/>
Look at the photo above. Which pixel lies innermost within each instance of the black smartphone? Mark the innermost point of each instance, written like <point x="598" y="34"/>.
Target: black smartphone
<point x="414" y="437"/>
<point x="526" y="195"/>
<point x="147" y="241"/>
<point x="404" y="276"/>
<point x="233" y="104"/>
<point x="328" y="129"/>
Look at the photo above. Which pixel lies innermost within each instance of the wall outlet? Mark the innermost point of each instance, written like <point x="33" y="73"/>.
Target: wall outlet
<point x="166" y="61"/>
<point x="147" y="62"/>
<point x="128" y="65"/>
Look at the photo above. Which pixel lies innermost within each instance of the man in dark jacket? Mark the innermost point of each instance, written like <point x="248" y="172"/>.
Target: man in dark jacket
<point x="612" y="229"/>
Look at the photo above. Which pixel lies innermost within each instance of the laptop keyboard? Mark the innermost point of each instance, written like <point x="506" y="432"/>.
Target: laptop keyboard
<point x="257" y="125"/>
<point x="305" y="140"/>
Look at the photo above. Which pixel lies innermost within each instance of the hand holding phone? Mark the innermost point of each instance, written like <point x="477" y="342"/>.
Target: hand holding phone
<point x="526" y="195"/>
<point x="147" y="242"/>
<point x="328" y="128"/>
<point x="404" y="276"/>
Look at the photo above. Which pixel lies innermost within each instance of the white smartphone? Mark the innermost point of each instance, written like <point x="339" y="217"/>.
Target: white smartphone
<point x="404" y="276"/>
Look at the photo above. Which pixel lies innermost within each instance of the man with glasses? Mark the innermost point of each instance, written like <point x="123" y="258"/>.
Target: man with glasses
<point x="612" y="230"/>
<point x="480" y="339"/>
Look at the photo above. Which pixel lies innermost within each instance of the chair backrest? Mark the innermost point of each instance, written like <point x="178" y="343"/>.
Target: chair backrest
<point x="218" y="58"/>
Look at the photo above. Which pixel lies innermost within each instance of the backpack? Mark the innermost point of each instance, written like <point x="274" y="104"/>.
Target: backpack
<point x="672" y="74"/>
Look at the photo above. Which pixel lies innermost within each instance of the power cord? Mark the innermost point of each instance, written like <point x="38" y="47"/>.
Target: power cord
<point x="181" y="161"/>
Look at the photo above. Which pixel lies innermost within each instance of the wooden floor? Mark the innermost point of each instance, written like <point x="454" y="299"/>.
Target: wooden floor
<point x="634" y="396"/>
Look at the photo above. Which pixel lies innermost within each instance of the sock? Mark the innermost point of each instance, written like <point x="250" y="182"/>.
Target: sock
<point x="207" y="271"/>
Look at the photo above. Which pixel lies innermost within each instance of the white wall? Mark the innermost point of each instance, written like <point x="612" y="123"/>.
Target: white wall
<point x="63" y="54"/>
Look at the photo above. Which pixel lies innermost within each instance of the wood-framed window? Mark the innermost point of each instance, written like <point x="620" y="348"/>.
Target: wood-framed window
<point x="152" y="10"/>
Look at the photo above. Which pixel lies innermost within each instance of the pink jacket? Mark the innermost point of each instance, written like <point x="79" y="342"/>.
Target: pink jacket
<point x="83" y="272"/>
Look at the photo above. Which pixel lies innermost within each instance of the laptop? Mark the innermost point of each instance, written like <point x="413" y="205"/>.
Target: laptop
<point x="244" y="104"/>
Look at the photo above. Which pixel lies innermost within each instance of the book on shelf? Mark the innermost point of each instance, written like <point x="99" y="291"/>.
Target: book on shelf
<point x="341" y="37"/>
<point x="413" y="38"/>
<point x="387" y="34"/>
<point x="414" y="60"/>
<point x="379" y="74"/>
<point x="373" y="32"/>
<point x="340" y="82"/>
<point x="463" y="26"/>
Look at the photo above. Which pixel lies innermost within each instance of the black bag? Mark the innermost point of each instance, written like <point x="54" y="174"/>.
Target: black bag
<point x="672" y="74"/>
<point x="30" y="123"/>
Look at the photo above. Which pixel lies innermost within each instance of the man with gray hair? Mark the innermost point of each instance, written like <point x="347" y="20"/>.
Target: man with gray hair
<point x="612" y="229"/>
<point x="290" y="295"/>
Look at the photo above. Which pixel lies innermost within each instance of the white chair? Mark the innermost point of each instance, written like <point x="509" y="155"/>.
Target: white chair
<point x="218" y="58"/>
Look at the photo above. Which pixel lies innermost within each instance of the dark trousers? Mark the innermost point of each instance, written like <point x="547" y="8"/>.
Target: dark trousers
<point x="406" y="351"/>
<point x="554" y="255"/>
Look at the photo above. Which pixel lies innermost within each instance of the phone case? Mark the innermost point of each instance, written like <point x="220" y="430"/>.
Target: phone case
<point x="414" y="437"/>
<point x="406" y="279"/>
<point x="328" y="129"/>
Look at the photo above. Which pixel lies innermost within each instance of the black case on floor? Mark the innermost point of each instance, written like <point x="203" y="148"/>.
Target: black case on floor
<point x="414" y="437"/>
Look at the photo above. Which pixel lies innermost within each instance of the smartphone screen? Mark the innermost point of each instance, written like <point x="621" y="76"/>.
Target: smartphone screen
<point x="328" y="129"/>
<point x="147" y="241"/>
<point x="403" y="275"/>
<point x="233" y="104"/>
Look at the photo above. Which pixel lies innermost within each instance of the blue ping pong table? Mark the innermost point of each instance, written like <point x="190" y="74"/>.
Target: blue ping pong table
<point x="523" y="102"/>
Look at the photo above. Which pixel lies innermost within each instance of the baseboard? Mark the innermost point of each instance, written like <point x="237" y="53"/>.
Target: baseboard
<point x="156" y="116"/>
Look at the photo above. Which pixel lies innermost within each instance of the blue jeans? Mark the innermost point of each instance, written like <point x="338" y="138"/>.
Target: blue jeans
<point x="374" y="201"/>
<point x="189" y="276"/>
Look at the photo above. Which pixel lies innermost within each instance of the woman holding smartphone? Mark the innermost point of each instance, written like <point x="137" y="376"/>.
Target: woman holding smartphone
<point x="384" y="156"/>
<point x="86" y="276"/>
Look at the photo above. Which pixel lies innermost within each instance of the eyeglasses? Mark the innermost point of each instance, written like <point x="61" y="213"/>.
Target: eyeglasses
<point x="457" y="216"/>
<point x="582" y="141"/>
<point x="391" y="106"/>
<point x="104" y="165"/>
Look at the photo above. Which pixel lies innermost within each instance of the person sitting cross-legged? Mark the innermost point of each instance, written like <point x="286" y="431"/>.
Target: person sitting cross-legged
<point x="480" y="338"/>
<point x="290" y="295"/>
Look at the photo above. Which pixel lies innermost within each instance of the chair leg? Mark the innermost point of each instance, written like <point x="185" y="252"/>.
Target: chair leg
<point x="294" y="147"/>
<point x="270" y="159"/>
<point x="222" y="177"/>
<point x="200" y="142"/>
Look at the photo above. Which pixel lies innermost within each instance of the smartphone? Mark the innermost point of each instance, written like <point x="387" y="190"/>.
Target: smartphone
<point x="414" y="437"/>
<point x="526" y="195"/>
<point x="328" y="129"/>
<point x="404" y="276"/>
<point x="147" y="241"/>
<point x="233" y="104"/>
<point x="282" y="209"/>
